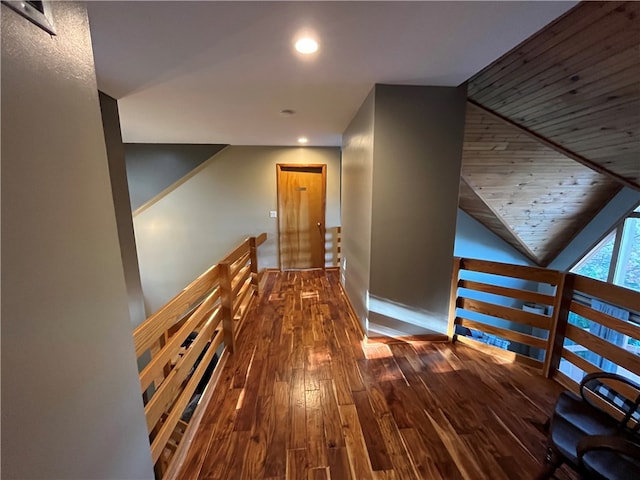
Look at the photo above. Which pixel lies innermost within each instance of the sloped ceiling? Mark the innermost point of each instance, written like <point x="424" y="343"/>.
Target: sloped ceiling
<point x="553" y="129"/>
<point x="541" y="198"/>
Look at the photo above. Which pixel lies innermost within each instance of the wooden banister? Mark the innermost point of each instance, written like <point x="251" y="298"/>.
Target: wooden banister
<point x="573" y="295"/>
<point x="559" y="319"/>
<point x="180" y="341"/>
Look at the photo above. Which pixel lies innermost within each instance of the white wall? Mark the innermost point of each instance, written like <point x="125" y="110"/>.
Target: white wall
<point x="227" y="200"/>
<point x="357" y="180"/>
<point x="71" y="404"/>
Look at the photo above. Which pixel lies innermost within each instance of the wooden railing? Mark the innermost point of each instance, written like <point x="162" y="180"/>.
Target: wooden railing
<point x="602" y="320"/>
<point x="487" y="313"/>
<point x="333" y="246"/>
<point x="179" y="342"/>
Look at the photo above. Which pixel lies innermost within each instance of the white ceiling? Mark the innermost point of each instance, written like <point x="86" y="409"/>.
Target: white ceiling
<point x="221" y="72"/>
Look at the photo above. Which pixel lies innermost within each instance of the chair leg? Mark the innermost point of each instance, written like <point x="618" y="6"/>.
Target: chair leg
<point x="551" y="462"/>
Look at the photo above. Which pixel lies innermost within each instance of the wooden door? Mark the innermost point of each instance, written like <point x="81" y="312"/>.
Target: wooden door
<point x="301" y="211"/>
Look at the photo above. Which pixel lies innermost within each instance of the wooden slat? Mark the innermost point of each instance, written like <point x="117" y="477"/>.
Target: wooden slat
<point x="260" y="239"/>
<point x="517" y="271"/>
<point x="168" y="426"/>
<point x="237" y="252"/>
<point x="621" y="326"/>
<point x="153" y="327"/>
<point x="157" y="363"/>
<point x="194" y="427"/>
<point x="504" y="333"/>
<point x="499" y="352"/>
<point x="241" y="263"/>
<point x="609" y="293"/>
<point x="168" y="391"/>
<point x="524" y="295"/>
<point x="239" y="280"/>
<point x="241" y="296"/>
<point x="579" y="362"/>
<point x="605" y="349"/>
<point x="505" y="313"/>
<point x="588" y="367"/>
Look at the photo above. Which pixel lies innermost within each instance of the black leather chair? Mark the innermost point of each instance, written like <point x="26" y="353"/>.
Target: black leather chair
<point x="597" y="434"/>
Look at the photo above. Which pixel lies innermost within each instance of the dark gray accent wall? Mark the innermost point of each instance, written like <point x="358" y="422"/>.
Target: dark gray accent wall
<point x="122" y="206"/>
<point x="417" y="156"/>
<point x="71" y="403"/>
<point x="357" y="177"/>
<point x="415" y="163"/>
<point x="152" y="167"/>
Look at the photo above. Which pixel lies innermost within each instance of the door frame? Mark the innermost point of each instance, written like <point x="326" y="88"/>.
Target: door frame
<point x="323" y="228"/>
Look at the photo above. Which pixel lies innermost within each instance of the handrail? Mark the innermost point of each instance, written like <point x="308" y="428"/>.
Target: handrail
<point x="486" y="312"/>
<point x="178" y="344"/>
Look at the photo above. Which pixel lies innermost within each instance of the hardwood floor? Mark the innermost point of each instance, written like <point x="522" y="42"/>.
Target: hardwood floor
<point x="302" y="399"/>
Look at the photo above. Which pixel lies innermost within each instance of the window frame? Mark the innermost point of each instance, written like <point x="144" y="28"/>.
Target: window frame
<point x="618" y="231"/>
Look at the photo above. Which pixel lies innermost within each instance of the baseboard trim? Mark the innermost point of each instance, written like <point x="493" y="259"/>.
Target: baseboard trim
<point x="433" y="338"/>
<point x="352" y="311"/>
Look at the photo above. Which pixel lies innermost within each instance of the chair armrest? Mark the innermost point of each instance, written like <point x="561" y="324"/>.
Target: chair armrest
<point x="614" y="443"/>
<point x="593" y="383"/>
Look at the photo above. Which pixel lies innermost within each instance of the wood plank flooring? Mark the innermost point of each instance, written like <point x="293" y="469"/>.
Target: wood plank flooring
<point x="302" y="399"/>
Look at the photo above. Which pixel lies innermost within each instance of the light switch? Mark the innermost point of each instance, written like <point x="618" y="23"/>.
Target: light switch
<point x="273" y="214"/>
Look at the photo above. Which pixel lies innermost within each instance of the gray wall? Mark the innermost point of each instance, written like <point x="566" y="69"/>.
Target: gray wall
<point x="121" y="203"/>
<point x="418" y="137"/>
<point x="152" y="167"/>
<point x="357" y="179"/>
<point x="229" y="198"/>
<point x="71" y="405"/>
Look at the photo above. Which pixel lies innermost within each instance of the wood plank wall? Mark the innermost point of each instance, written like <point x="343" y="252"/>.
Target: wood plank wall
<point x="577" y="84"/>
<point x="529" y="194"/>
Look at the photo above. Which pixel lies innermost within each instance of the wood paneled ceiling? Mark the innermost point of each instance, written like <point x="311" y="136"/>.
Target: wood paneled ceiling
<point x="553" y="129"/>
<point x="531" y="195"/>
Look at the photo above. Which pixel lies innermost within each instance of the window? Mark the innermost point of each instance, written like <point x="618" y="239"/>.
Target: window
<point x="616" y="259"/>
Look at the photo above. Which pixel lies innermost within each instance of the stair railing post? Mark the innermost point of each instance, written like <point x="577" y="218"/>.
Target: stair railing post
<point x="226" y="302"/>
<point x="253" y="253"/>
<point x="453" y="297"/>
<point x="559" y="320"/>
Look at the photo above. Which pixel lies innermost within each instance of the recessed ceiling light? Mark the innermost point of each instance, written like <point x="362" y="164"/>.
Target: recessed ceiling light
<point x="303" y="140"/>
<point x="306" y="45"/>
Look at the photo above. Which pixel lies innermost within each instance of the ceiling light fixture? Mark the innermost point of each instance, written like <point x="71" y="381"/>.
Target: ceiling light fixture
<point x="306" y="45"/>
<point x="303" y="140"/>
